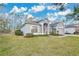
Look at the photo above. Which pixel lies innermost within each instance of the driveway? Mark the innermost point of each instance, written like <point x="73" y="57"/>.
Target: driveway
<point x="71" y="35"/>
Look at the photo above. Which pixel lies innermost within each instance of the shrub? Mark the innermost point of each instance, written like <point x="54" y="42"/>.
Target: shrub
<point x="54" y="34"/>
<point x="29" y="35"/>
<point x="18" y="32"/>
<point x="76" y="32"/>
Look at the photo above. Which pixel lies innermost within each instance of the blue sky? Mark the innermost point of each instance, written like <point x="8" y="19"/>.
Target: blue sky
<point x="39" y="10"/>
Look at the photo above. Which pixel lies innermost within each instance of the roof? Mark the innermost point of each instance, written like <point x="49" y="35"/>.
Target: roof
<point x="69" y="26"/>
<point x="30" y="21"/>
<point x="72" y="25"/>
<point x="33" y="21"/>
<point x="43" y="20"/>
<point x="54" y="23"/>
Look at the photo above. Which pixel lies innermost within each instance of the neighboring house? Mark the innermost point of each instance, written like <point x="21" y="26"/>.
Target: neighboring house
<point x="77" y="27"/>
<point x="42" y="27"/>
<point x="71" y="29"/>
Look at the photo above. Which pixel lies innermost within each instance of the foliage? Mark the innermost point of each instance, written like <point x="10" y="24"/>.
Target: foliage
<point x="54" y="33"/>
<point x="76" y="10"/>
<point x="4" y="25"/>
<point x="18" y="32"/>
<point x="76" y="32"/>
<point x="76" y="13"/>
<point x="2" y="5"/>
<point x="61" y="6"/>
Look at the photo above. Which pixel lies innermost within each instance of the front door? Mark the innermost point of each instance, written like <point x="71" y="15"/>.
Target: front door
<point x="45" y="28"/>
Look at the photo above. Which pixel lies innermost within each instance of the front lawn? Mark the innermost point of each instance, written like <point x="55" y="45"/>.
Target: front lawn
<point x="41" y="45"/>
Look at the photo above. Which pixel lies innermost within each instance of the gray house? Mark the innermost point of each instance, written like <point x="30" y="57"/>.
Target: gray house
<point x="72" y="28"/>
<point x="42" y="27"/>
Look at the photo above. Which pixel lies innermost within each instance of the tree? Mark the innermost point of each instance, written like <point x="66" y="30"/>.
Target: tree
<point x="76" y="13"/>
<point x="15" y="21"/>
<point x="3" y="21"/>
<point x="3" y="25"/>
<point x="2" y="6"/>
<point x="61" y="6"/>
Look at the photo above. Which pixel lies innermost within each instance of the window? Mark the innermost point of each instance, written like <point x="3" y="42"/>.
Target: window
<point x="45" y="26"/>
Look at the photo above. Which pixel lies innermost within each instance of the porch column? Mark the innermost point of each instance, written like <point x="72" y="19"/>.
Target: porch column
<point x="48" y="29"/>
<point x="42" y="29"/>
<point x="38" y="29"/>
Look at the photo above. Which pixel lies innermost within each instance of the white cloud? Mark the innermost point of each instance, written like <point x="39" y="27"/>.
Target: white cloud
<point x="23" y="9"/>
<point x="53" y="7"/>
<point x="56" y="14"/>
<point x="63" y="13"/>
<point x="51" y="16"/>
<point x="25" y="13"/>
<point x="29" y="15"/>
<point x="37" y="8"/>
<point x="15" y="9"/>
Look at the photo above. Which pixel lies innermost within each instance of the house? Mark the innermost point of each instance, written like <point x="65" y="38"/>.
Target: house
<point x="58" y="27"/>
<point x="42" y="27"/>
<point x="77" y="27"/>
<point x="72" y="28"/>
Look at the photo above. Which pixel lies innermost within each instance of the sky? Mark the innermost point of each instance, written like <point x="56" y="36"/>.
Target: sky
<point x="38" y="10"/>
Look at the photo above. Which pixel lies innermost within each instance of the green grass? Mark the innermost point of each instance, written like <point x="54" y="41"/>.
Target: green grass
<point x="12" y="45"/>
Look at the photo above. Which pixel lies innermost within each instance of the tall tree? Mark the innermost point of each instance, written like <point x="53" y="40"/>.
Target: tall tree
<point x="76" y="12"/>
<point x="61" y="6"/>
